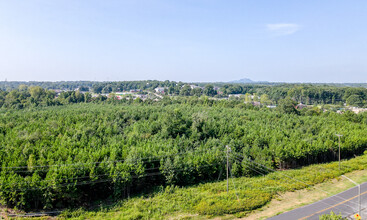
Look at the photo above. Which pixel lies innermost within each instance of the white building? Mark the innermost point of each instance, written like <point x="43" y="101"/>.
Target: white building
<point x="159" y="89"/>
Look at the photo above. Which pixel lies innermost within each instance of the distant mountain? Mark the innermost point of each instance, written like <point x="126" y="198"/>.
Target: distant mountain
<point x="246" y="80"/>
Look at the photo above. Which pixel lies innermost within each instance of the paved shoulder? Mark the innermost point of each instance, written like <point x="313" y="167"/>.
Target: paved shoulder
<point x="345" y="203"/>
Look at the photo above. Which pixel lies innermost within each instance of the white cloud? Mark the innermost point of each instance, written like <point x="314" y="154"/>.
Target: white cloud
<point x="283" y="28"/>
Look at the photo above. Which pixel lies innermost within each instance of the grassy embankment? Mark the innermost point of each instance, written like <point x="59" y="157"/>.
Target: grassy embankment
<point x="211" y="199"/>
<point x="291" y="200"/>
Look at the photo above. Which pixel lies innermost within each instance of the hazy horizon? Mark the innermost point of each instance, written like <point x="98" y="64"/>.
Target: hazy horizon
<point x="188" y="41"/>
<point x="229" y="82"/>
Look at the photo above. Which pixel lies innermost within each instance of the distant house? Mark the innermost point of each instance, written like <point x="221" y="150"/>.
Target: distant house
<point x="235" y="95"/>
<point x="301" y="106"/>
<point x="256" y="103"/>
<point x="195" y="86"/>
<point x="143" y="97"/>
<point x="135" y="90"/>
<point x="159" y="89"/>
<point x="358" y="110"/>
<point x="58" y="91"/>
<point x="118" y="97"/>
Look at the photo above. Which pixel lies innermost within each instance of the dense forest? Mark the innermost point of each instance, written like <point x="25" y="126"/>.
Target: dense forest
<point x="62" y="156"/>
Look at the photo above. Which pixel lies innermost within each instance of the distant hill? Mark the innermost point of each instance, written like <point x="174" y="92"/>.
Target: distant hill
<point x="246" y="80"/>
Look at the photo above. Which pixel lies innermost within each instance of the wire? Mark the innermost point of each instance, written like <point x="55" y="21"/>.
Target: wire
<point x="90" y="176"/>
<point x="105" y="180"/>
<point x="298" y="181"/>
<point x="321" y="200"/>
<point x="274" y="179"/>
<point x="253" y="169"/>
<point x="115" y="161"/>
<point x="77" y="168"/>
<point x="235" y="190"/>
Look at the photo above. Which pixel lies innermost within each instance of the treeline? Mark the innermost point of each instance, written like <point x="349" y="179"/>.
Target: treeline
<point x="25" y="97"/>
<point x="64" y="156"/>
<point x="301" y="93"/>
<point x="311" y="94"/>
<point x="97" y="87"/>
<point x="62" y="85"/>
<point x="35" y="96"/>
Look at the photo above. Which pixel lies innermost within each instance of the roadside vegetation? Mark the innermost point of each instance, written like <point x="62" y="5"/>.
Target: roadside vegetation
<point x="332" y="216"/>
<point x="211" y="199"/>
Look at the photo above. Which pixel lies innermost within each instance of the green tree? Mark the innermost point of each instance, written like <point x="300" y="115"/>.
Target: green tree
<point x="186" y="90"/>
<point x="355" y="100"/>
<point x="36" y="92"/>
<point x="256" y="97"/>
<point x="264" y="99"/>
<point x="97" y="88"/>
<point x="83" y="89"/>
<point x="287" y="106"/>
<point x="196" y="92"/>
<point x="248" y="98"/>
<point x="209" y="90"/>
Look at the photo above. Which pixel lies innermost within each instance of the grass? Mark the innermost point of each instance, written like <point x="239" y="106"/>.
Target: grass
<point x="257" y="193"/>
<point x="292" y="200"/>
<point x="258" y="197"/>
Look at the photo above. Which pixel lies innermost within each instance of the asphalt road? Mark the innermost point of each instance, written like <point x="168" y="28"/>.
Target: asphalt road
<point x="345" y="203"/>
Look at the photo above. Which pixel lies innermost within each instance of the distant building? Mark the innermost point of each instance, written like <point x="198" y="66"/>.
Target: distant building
<point x="256" y="103"/>
<point x="58" y="91"/>
<point x="358" y="110"/>
<point x="159" y="89"/>
<point x="301" y="106"/>
<point x="235" y="95"/>
<point x="135" y="90"/>
<point x="118" y="97"/>
<point x="143" y="97"/>
<point x="195" y="86"/>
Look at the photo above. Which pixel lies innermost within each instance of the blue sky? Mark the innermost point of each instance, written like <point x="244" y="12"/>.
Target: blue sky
<point x="184" y="40"/>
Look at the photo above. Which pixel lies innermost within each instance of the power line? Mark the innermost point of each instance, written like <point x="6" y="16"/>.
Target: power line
<point x="82" y="177"/>
<point x="80" y="168"/>
<point x="274" y="179"/>
<point x="235" y="190"/>
<point x="315" y="188"/>
<point x="101" y="162"/>
<point x="253" y="169"/>
<point x="106" y="180"/>
<point x="296" y="180"/>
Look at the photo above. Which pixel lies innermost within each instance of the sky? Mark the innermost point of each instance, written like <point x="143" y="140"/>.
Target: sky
<point x="184" y="40"/>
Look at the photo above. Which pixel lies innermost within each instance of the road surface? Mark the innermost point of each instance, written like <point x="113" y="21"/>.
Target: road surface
<point x="345" y="203"/>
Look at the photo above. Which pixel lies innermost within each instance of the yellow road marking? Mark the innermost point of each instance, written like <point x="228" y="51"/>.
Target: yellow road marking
<point x="332" y="206"/>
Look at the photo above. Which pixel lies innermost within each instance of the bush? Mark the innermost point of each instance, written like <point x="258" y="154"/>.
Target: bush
<point x="332" y="216"/>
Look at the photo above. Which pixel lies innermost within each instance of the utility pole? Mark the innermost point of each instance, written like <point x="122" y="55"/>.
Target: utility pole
<point x="227" y="165"/>
<point x="339" y="135"/>
<point x="359" y="193"/>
